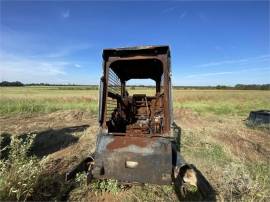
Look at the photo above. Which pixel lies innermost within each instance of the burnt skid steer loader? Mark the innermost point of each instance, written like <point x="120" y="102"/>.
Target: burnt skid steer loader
<point x="138" y="141"/>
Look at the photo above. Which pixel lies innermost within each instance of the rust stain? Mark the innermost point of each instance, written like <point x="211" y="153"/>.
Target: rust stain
<point x="120" y="142"/>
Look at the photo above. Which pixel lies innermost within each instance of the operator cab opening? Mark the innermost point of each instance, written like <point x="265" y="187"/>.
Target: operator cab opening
<point x="137" y="113"/>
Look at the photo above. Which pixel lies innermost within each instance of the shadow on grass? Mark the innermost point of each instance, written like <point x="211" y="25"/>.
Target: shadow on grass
<point x="5" y="140"/>
<point x="52" y="187"/>
<point x="46" y="142"/>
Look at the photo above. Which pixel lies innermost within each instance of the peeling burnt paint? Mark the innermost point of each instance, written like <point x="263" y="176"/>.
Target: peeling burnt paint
<point x="119" y="142"/>
<point x="144" y="146"/>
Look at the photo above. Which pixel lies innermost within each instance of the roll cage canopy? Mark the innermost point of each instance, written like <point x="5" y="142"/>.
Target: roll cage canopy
<point x="141" y="62"/>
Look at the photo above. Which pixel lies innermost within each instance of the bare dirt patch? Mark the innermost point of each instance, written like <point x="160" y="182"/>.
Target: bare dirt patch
<point x="62" y="160"/>
<point x="187" y="118"/>
<point x="64" y="137"/>
<point x="21" y="124"/>
<point x="231" y="132"/>
<point x="245" y="143"/>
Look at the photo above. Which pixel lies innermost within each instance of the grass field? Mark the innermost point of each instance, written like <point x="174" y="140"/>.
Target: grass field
<point x="16" y="100"/>
<point x="46" y="99"/>
<point x="233" y="157"/>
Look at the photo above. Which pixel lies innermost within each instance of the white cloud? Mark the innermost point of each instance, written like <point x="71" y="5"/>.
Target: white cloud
<point x="48" y="62"/>
<point x="65" y="50"/>
<point x="183" y="15"/>
<point x="169" y="9"/>
<point x="31" y="70"/>
<point x="203" y="17"/>
<point x="218" y="48"/>
<point x="38" y="45"/>
<point x="65" y="13"/>
<point x="238" y="61"/>
<point x="210" y="74"/>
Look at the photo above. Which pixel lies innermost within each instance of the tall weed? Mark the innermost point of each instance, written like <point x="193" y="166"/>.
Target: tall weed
<point x="19" y="173"/>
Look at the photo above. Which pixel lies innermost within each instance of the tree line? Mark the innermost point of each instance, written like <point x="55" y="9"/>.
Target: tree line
<point x="14" y="83"/>
<point x="224" y="87"/>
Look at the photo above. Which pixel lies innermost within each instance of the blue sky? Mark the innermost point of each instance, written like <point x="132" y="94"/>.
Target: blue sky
<point x="212" y="42"/>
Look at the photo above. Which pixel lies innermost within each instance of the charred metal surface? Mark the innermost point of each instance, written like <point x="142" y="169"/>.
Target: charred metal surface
<point x="134" y="159"/>
<point x="136" y="143"/>
<point x="138" y="140"/>
<point x="137" y="115"/>
<point x="138" y="50"/>
<point x="121" y="142"/>
<point x="259" y="117"/>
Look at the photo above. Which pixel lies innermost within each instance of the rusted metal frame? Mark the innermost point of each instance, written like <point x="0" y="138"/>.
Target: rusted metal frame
<point x="166" y="102"/>
<point x="158" y="86"/>
<point x="103" y="97"/>
<point x="114" y="82"/>
<point x="105" y="73"/>
<point x="113" y="89"/>
<point x="113" y="77"/>
<point x="137" y="57"/>
<point x="101" y="101"/>
<point x="160" y="57"/>
<point x="162" y="83"/>
<point x="110" y="105"/>
<point x="134" y="51"/>
<point x="163" y="59"/>
<point x="170" y="91"/>
<point x="112" y="86"/>
<point x="123" y="88"/>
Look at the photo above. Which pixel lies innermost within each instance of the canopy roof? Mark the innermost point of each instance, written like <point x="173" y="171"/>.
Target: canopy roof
<point x="138" y="69"/>
<point x="137" y="50"/>
<point x="147" y="66"/>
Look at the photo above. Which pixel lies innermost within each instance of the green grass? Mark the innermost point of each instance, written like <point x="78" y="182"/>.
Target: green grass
<point x="16" y="100"/>
<point x="197" y="145"/>
<point x="222" y="102"/>
<point x="260" y="172"/>
<point x="10" y="106"/>
<point x="19" y="173"/>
